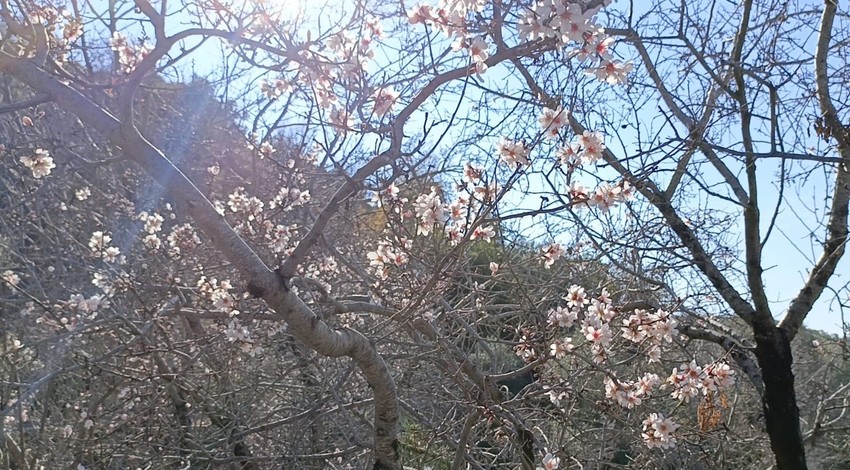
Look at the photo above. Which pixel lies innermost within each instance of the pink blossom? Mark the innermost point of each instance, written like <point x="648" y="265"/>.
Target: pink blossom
<point x="569" y="154"/>
<point x="658" y="431"/>
<point x="612" y="71"/>
<point x="472" y="174"/>
<point x="384" y="99"/>
<point x="576" y="297"/>
<point x="551" y="462"/>
<point x="552" y="120"/>
<point x="552" y="253"/>
<point x="560" y="348"/>
<point x="514" y="154"/>
<point x="562" y="317"/>
<point x="421" y="13"/>
<point x="592" y="145"/>
<point x="600" y="335"/>
<point x="483" y="232"/>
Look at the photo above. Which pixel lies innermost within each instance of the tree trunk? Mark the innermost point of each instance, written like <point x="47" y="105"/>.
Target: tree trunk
<point x="773" y="350"/>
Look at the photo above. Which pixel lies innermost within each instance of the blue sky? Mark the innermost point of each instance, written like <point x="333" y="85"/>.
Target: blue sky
<point x="787" y="256"/>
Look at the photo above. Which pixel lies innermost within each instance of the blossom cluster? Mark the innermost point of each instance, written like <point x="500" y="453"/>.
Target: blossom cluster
<point x="596" y="315"/>
<point x="104" y="283"/>
<point x="550" y="462"/>
<point x="83" y="193"/>
<point x="21" y="414"/>
<point x="342" y="119"/>
<point x="658" y="431"/>
<point x="514" y="154"/>
<point x="89" y="306"/>
<point x="274" y="89"/>
<point x="129" y="56"/>
<point x="40" y="163"/>
<point x="383" y="100"/>
<point x="153" y="225"/>
<point x="604" y="197"/>
<point x="266" y="150"/>
<point x="478" y="51"/>
<point x="321" y="81"/>
<point x="457" y="219"/>
<point x="552" y="253"/>
<point x="253" y="217"/>
<point x="448" y="17"/>
<point x="650" y="329"/>
<point x="430" y="210"/>
<point x="182" y="238"/>
<point x="356" y="47"/>
<point x="387" y="254"/>
<point x="240" y="203"/>
<point x="327" y="265"/>
<point x="317" y="74"/>
<point x="566" y="23"/>
<point x="99" y="245"/>
<point x="485" y="233"/>
<point x="390" y="197"/>
<point x="552" y="120"/>
<point x="688" y="380"/>
<point x="218" y="293"/>
<point x="61" y="27"/>
<point x="629" y="394"/>
<point x="10" y="277"/>
<point x="585" y="148"/>
<point x="279" y="237"/>
<point x="236" y="332"/>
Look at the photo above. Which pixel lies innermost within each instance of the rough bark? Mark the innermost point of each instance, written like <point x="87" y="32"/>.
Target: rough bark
<point x="782" y="417"/>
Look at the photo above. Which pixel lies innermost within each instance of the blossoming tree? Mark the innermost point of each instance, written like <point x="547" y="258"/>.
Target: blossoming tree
<point x="478" y="203"/>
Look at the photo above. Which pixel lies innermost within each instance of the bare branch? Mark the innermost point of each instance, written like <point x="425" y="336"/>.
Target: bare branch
<point x="835" y="243"/>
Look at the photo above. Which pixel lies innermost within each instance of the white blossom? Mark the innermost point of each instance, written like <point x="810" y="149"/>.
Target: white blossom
<point x="40" y="163"/>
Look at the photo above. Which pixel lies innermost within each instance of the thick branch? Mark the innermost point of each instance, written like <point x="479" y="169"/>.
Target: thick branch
<point x="28" y="103"/>
<point x="752" y="218"/>
<point x="304" y="324"/>
<point x="836" y="230"/>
